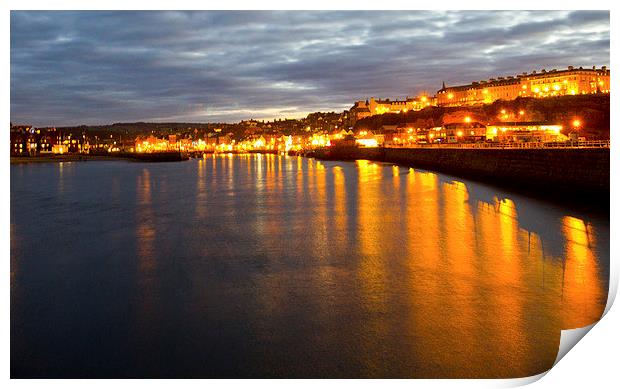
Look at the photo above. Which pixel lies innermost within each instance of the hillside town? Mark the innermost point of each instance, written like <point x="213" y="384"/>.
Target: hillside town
<point x="524" y="109"/>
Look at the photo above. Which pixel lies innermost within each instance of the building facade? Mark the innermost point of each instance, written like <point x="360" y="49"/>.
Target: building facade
<point x="30" y="141"/>
<point x="362" y="109"/>
<point x="571" y="81"/>
<point x="525" y="132"/>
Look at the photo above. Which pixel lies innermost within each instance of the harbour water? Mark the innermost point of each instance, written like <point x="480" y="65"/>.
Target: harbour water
<point x="273" y="266"/>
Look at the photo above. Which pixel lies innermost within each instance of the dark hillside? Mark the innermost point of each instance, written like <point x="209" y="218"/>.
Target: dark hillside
<point x="591" y="110"/>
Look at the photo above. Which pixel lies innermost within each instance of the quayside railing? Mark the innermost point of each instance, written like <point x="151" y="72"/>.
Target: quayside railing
<point x="511" y="145"/>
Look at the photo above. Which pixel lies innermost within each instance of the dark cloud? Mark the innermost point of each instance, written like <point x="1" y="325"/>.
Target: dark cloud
<point x="102" y="67"/>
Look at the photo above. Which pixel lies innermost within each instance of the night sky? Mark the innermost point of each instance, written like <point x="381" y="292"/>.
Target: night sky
<point x="70" y="68"/>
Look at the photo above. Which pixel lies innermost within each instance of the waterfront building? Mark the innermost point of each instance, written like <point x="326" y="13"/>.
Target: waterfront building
<point x="525" y="132"/>
<point x="469" y="132"/>
<point x="398" y="135"/>
<point x="60" y="149"/>
<point x="342" y="134"/>
<point x="430" y="135"/>
<point x="30" y="141"/>
<point x="19" y="140"/>
<point x="571" y="81"/>
<point x="76" y="143"/>
<point x="151" y="144"/>
<point x="365" y="138"/>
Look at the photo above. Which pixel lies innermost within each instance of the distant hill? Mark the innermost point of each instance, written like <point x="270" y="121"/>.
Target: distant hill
<point x="591" y="110"/>
<point x="143" y="127"/>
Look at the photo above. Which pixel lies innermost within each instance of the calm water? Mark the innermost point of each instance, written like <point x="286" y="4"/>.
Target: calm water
<point x="267" y="266"/>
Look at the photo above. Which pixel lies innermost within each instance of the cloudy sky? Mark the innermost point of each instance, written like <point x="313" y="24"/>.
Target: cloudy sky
<point x="71" y="68"/>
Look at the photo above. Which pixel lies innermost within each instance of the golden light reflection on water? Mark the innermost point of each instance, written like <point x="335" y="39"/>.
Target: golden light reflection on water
<point x="371" y="271"/>
<point x="287" y="266"/>
<point x="396" y="177"/>
<point x="581" y="285"/>
<point x="201" y="190"/>
<point x="61" y="181"/>
<point x="459" y="237"/>
<point x="479" y="283"/>
<point x="319" y="221"/>
<point x="339" y="213"/>
<point x="145" y="240"/>
<point x="431" y="280"/>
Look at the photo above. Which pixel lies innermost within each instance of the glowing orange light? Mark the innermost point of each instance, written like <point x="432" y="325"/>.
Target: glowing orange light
<point x="367" y="142"/>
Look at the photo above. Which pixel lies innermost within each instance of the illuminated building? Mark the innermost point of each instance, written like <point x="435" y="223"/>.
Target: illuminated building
<point x="362" y="109"/>
<point x="365" y="138"/>
<point x="342" y="134"/>
<point x="464" y="132"/>
<point x="19" y="140"/>
<point x="525" y="132"/>
<point x="367" y="142"/>
<point x="430" y="135"/>
<point x="30" y="141"/>
<point x="571" y="81"/>
<point x="152" y="144"/>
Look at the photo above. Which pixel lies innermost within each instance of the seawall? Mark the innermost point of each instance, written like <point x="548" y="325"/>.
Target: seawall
<point x="580" y="175"/>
